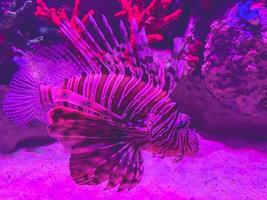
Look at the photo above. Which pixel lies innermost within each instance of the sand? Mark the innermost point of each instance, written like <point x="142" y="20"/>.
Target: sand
<point x="218" y="172"/>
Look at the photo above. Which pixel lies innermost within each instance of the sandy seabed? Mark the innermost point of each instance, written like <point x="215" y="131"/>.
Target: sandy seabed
<point x="217" y="172"/>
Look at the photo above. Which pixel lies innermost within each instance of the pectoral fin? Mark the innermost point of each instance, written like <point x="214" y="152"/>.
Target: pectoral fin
<point x="101" y="150"/>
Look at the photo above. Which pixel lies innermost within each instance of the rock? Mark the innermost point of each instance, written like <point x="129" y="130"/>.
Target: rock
<point x="235" y="69"/>
<point x="231" y="94"/>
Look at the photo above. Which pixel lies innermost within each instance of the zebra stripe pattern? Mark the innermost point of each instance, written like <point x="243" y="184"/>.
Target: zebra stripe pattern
<point x="127" y="96"/>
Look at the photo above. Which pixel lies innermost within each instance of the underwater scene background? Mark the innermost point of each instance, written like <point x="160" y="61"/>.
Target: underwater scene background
<point x="137" y="99"/>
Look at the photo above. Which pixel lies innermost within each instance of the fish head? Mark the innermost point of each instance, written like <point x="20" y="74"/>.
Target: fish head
<point x="188" y="143"/>
<point x="183" y="141"/>
<point x="183" y="121"/>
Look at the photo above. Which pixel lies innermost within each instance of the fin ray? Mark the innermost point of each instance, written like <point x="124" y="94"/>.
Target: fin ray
<point x="21" y="104"/>
<point x="99" y="150"/>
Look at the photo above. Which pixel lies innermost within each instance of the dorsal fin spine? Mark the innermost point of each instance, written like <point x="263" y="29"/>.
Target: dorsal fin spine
<point x="79" y="43"/>
<point x="126" y="42"/>
<point x="117" y="52"/>
<point x="108" y="57"/>
<point x="88" y="35"/>
<point x="88" y="53"/>
<point x="114" y="39"/>
<point x="93" y="22"/>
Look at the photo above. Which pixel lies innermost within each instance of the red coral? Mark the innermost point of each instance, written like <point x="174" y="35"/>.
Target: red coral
<point x="155" y="17"/>
<point x="194" y="53"/>
<point x="57" y="15"/>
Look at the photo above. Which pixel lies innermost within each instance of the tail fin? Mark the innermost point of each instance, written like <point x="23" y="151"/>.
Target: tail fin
<point x="21" y="104"/>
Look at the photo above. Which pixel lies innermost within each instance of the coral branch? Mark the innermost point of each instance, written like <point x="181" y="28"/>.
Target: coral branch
<point x="169" y="18"/>
<point x="75" y="12"/>
<point x="155" y="17"/>
<point x="57" y="15"/>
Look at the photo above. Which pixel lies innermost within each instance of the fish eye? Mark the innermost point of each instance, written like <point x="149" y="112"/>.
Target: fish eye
<point x="182" y="124"/>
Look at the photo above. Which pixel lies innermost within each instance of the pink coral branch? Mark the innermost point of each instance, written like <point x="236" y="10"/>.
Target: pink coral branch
<point x="57" y="15"/>
<point x="75" y="12"/>
<point x="169" y="18"/>
<point x="85" y="18"/>
<point x="155" y="17"/>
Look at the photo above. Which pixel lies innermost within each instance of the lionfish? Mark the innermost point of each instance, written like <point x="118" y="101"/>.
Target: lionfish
<point x="117" y="106"/>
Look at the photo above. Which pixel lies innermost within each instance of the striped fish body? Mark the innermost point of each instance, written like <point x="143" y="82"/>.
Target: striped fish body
<point x="128" y="97"/>
<point x="135" y="102"/>
<point x="103" y="149"/>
